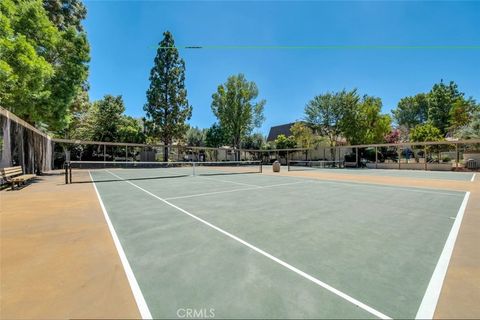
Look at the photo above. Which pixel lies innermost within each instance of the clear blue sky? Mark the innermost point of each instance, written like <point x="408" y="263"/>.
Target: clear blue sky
<point x="123" y="36"/>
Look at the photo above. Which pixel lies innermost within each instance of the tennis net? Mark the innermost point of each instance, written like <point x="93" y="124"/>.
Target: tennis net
<point x="106" y="171"/>
<point x="312" y="165"/>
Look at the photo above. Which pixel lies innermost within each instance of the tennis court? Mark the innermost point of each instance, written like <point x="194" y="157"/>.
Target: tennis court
<point x="262" y="246"/>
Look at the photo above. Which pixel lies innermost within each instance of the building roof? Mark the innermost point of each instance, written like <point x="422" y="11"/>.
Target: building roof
<point x="278" y="130"/>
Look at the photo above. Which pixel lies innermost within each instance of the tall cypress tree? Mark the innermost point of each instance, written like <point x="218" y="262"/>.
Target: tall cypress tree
<point x="167" y="106"/>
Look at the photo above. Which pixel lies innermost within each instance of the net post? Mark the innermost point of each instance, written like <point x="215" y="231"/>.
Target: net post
<point x="457" y="156"/>
<point x="70" y="172"/>
<point x="65" y="165"/>
<point x="376" y="157"/>
<point x="425" y="156"/>
<point x="104" y="152"/>
<point x="356" y="157"/>
<point x="399" y="154"/>
<point x="261" y="167"/>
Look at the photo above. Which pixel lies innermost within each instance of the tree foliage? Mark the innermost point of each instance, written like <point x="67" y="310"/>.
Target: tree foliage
<point x="105" y="121"/>
<point x="130" y="130"/>
<point x="108" y="116"/>
<point x="24" y="71"/>
<point x="215" y="136"/>
<point x="441" y="99"/>
<point x="235" y="107"/>
<point x="324" y="113"/>
<point x="444" y="106"/>
<point x="346" y="114"/>
<point x="393" y="136"/>
<point x="472" y="129"/>
<point x="196" y="137"/>
<point x="425" y="132"/>
<point x="66" y="13"/>
<point x="411" y="111"/>
<point x="42" y="68"/>
<point x="303" y="135"/>
<point x="461" y="113"/>
<point x="283" y="142"/>
<point x="363" y="123"/>
<point x="255" y="141"/>
<point x="167" y="107"/>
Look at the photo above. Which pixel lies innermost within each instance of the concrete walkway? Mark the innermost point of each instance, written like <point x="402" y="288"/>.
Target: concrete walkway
<point x="58" y="259"/>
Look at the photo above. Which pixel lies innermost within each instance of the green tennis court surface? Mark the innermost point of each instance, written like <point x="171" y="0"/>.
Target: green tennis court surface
<point x="417" y="174"/>
<point x="259" y="246"/>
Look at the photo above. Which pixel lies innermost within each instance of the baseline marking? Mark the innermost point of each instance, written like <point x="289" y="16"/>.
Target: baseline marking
<point x="266" y="254"/>
<point x="234" y="190"/>
<point x="430" y="299"/>
<point x="473" y="178"/>
<point x="137" y="293"/>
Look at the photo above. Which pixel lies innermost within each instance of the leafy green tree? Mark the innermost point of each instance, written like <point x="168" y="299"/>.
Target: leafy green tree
<point x="71" y="70"/>
<point x="235" y="107"/>
<point x="66" y="13"/>
<point x="215" y="136"/>
<point x="363" y="123"/>
<point x="105" y="121"/>
<point x="425" y="132"/>
<point x="445" y="107"/>
<point x="195" y="137"/>
<point x="282" y="142"/>
<point x="108" y="117"/>
<point x="42" y="68"/>
<point x="461" y="112"/>
<point x="24" y="72"/>
<point x="441" y="99"/>
<point x="130" y="130"/>
<point x="472" y="129"/>
<point x="167" y="107"/>
<point x="324" y="113"/>
<point x="254" y="141"/>
<point x="411" y="111"/>
<point x="303" y="135"/>
<point x="77" y="117"/>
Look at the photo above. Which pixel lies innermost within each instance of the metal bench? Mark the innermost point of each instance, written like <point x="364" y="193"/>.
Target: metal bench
<point x="14" y="175"/>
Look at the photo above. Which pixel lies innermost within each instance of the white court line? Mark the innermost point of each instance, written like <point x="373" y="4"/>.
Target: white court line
<point x="234" y="182"/>
<point x="137" y="293"/>
<point x="234" y="190"/>
<point x="269" y="256"/>
<point x="211" y="193"/>
<point x="473" y="178"/>
<point x="430" y="299"/>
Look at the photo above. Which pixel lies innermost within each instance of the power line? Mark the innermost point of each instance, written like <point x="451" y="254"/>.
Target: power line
<point x="328" y="47"/>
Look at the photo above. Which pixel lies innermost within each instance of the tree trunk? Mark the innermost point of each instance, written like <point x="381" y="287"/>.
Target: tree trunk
<point x="332" y="149"/>
<point x="236" y="147"/>
<point x="165" y="153"/>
